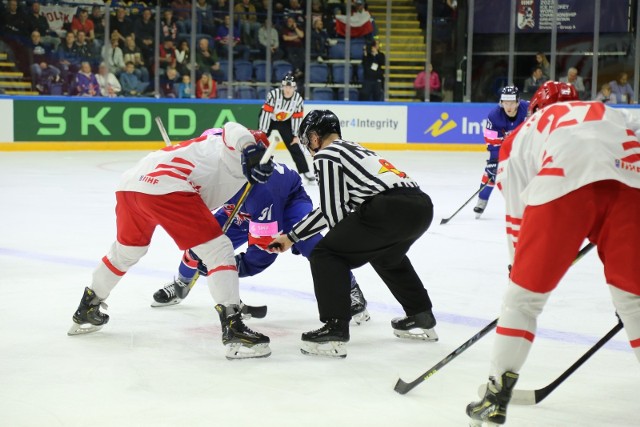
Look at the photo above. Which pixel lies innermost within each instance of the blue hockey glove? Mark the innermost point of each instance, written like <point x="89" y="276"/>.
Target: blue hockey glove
<point x="251" y="167"/>
<point x="491" y="169"/>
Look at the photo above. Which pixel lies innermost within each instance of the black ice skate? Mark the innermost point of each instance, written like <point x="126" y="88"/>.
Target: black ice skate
<point x="88" y="317"/>
<point x="359" y="313"/>
<point x="241" y="342"/>
<point x="330" y="340"/>
<point x="418" y="327"/>
<point x="172" y="293"/>
<point x="480" y="207"/>
<point x="492" y="409"/>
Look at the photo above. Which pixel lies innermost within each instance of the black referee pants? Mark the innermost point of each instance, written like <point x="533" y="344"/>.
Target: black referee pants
<point x="295" y="150"/>
<point x="379" y="232"/>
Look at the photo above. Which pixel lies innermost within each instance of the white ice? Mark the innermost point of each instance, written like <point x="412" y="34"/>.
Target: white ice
<point x="166" y="366"/>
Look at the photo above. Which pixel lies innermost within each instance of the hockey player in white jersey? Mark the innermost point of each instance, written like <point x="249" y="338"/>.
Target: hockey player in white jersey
<point x="570" y="172"/>
<point x="176" y="188"/>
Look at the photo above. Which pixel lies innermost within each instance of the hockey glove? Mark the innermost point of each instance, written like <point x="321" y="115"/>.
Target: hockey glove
<point x="491" y="169"/>
<point x="251" y="167"/>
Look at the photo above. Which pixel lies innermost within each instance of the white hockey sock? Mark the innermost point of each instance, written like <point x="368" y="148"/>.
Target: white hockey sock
<point x="218" y="256"/>
<point x="113" y="266"/>
<point x="628" y="308"/>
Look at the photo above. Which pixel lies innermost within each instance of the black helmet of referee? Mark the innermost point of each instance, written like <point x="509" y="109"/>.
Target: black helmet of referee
<point x="289" y="80"/>
<point x="321" y="122"/>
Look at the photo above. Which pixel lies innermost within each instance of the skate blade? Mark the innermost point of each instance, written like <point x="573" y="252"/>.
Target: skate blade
<point x="361" y="317"/>
<point x="478" y="215"/>
<point x="166" y="304"/>
<point x="85" y="328"/>
<point x="428" y="335"/>
<point x="336" y="349"/>
<point x="236" y="351"/>
<point x="478" y="423"/>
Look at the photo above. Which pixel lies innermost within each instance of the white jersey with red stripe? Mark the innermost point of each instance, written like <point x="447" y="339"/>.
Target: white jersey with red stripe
<point x="561" y="148"/>
<point x="209" y="165"/>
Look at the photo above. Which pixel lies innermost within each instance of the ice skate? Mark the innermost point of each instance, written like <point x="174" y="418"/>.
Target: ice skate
<point x="241" y="342"/>
<point x="310" y="178"/>
<point x="492" y="409"/>
<point x="418" y="327"/>
<point x="359" y="313"/>
<point x="172" y="293"/>
<point x="480" y="207"/>
<point x="330" y="340"/>
<point x="88" y="317"/>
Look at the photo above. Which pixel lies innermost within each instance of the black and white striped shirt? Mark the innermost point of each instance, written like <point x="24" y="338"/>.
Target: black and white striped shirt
<point x="348" y="175"/>
<point x="278" y="108"/>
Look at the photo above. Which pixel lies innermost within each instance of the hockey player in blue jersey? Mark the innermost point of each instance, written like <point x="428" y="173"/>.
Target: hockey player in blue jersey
<point x="270" y="209"/>
<point x="501" y="121"/>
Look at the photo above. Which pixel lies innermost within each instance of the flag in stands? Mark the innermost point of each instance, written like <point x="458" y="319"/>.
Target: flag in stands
<point x="361" y="24"/>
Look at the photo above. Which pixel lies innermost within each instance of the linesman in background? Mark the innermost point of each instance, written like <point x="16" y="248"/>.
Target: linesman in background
<point x="374" y="212"/>
<point x="283" y="111"/>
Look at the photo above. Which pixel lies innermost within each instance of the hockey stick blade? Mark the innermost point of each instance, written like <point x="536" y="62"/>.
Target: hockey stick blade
<point x="446" y="220"/>
<point x="403" y="387"/>
<point x="254" y="311"/>
<point x="533" y="397"/>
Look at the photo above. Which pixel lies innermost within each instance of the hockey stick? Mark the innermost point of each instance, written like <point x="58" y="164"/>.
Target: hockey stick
<point x="163" y="132"/>
<point x="533" y="397"/>
<point x="446" y="220"/>
<point x="403" y="387"/>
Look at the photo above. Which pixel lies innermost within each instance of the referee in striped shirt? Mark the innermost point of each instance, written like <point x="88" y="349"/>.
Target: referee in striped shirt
<point x="283" y="111"/>
<point x="374" y="212"/>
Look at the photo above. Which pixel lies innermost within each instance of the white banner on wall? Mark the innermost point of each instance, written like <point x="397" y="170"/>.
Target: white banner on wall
<point x="6" y="120"/>
<point x="368" y="123"/>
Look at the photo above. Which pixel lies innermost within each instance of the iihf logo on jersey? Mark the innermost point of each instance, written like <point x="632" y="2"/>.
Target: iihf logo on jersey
<point x="617" y="161"/>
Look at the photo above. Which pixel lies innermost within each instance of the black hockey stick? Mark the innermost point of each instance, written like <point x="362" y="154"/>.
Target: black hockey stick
<point x="403" y="387"/>
<point x="446" y="220"/>
<point x="533" y="397"/>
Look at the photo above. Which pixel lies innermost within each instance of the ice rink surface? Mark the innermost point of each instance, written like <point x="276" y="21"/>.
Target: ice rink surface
<point x="166" y="366"/>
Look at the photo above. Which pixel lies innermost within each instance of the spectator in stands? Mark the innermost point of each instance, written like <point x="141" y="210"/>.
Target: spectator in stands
<point x="169" y="83"/>
<point x="574" y="79"/>
<point x="182" y="13"/>
<point x="532" y="83"/>
<point x="121" y="25"/>
<point x="220" y="9"/>
<point x="207" y="60"/>
<point x="296" y="12"/>
<point x="97" y="16"/>
<point x="87" y="51"/>
<point x="543" y="63"/>
<point x="113" y="56"/>
<point x="145" y="29"/>
<point x="167" y="57"/>
<point x="605" y="95"/>
<point x="41" y="58"/>
<point x="130" y="82"/>
<point x="204" y="19"/>
<point x="621" y="89"/>
<point x="168" y="26"/>
<point x="109" y="85"/>
<point x="373" y="62"/>
<point x="86" y="83"/>
<point x="82" y="22"/>
<point x="131" y="53"/>
<point x="185" y="87"/>
<point x="319" y="41"/>
<point x="224" y="41"/>
<point x="420" y="83"/>
<point x="206" y="87"/>
<point x="293" y="44"/>
<point x="14" y="31"/>
<point x="183" y="58"/>
<point x="36" y="21"/>
<point x="269" y="39"/>
<point x="68" y="58"/>
<point x="245" y="11"/>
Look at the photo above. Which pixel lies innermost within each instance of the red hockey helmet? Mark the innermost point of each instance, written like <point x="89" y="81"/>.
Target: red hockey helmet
<point x="550" y="93"/>
<point x="260" y="137"/>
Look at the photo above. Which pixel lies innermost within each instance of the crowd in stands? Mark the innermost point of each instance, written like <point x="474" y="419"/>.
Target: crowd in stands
<point x="74" y="56"/>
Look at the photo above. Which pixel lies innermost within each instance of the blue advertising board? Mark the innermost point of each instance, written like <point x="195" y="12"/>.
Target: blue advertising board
<point x="447" y="123"/>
